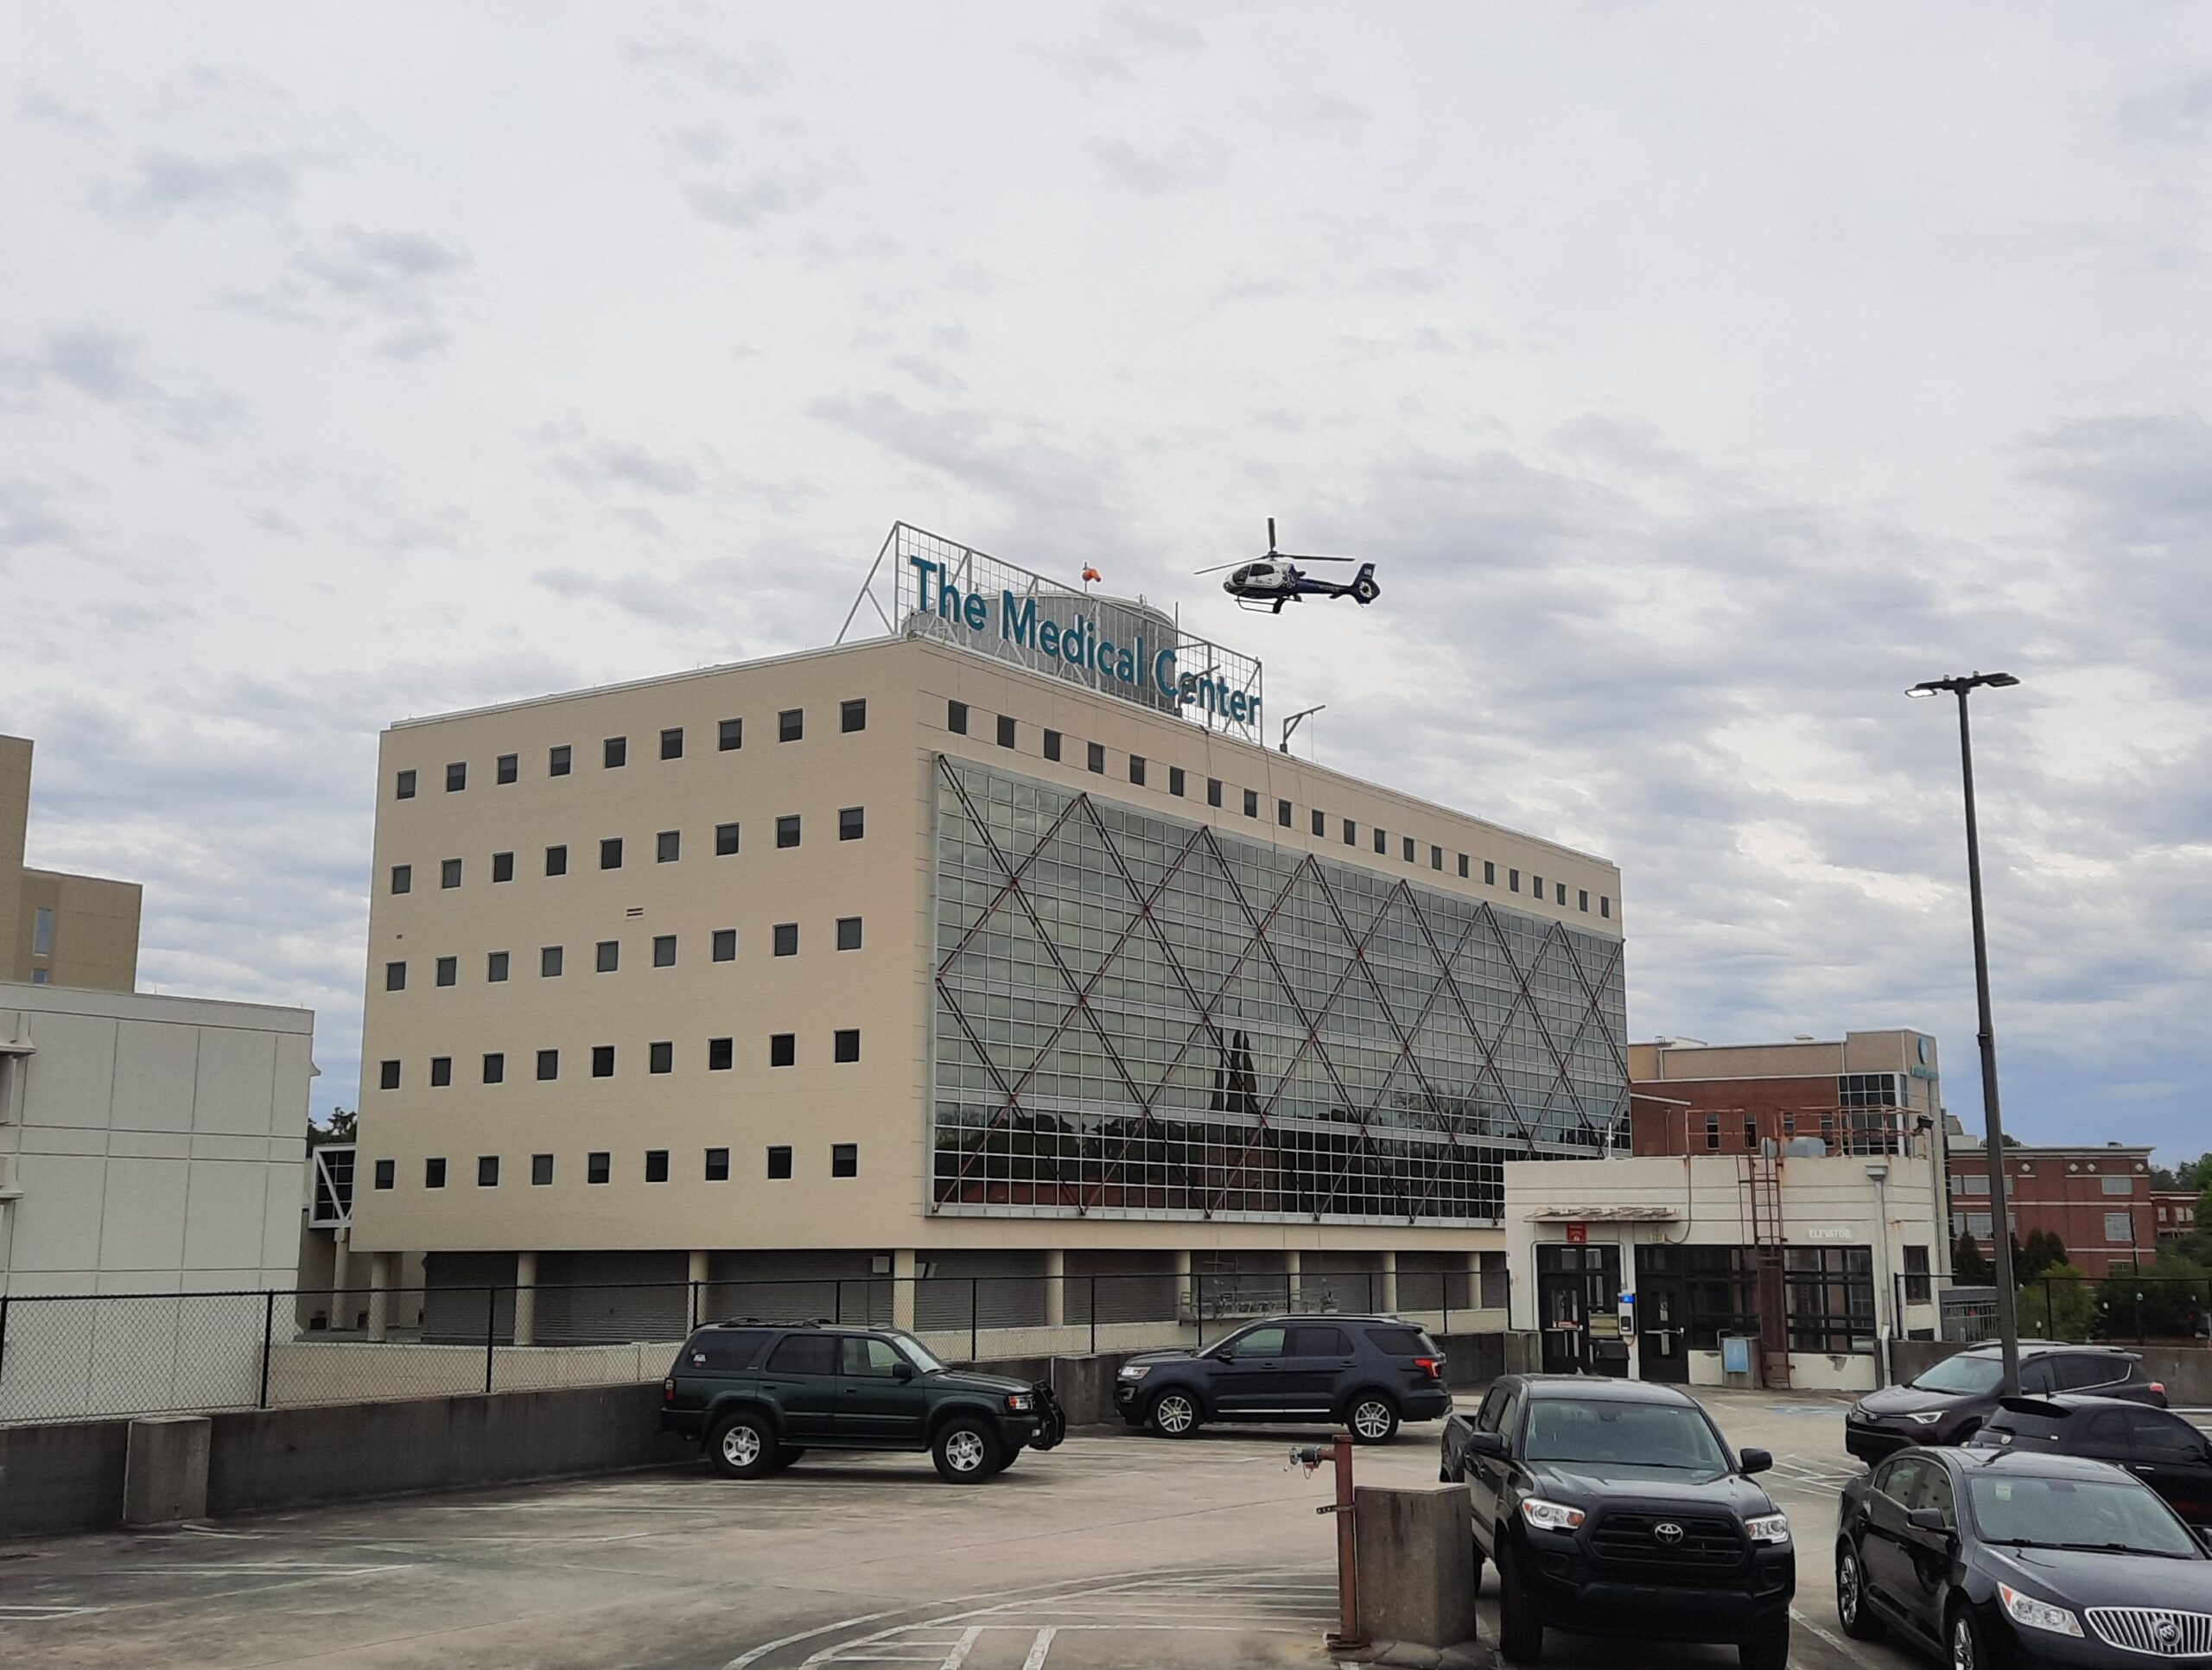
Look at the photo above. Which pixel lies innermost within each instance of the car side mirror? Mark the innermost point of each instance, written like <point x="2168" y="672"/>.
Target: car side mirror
<point x="1926" y="1518"/>
<point x="1755" y="1460"/>
<point x="1486" y="1443"/>
<point x="1224" y="1357"/>
<point x="902" y="1372"/>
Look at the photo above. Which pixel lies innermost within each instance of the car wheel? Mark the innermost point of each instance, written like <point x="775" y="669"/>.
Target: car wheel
<point x="1174" y="1414"/>
<point x="965" y="1452"/>
<point x="1963" y="1636"/>
<point x="1520" y="1631"/>
<point x="742" y="1447"/>
<point x="1373" y="1417"/>
<point x="1852" y="1611"/>
<point x="1767" y="1650"/>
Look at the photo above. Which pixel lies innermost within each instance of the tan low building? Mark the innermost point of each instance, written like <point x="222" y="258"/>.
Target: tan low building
<point x="892" y="978"/>
<point x="58" y="929"/>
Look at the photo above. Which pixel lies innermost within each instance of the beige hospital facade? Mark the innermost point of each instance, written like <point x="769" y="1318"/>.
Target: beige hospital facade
<point x="892" y="964"/>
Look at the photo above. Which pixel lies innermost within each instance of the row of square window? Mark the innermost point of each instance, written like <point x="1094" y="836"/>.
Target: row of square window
<point x="614" y="751"/>
<point x="956" y="722"/>
<point x="599" y="1166"/>
<point x="782" y="1051"/>
<point x="668" y="848"/>
<point x="607" y="955"/>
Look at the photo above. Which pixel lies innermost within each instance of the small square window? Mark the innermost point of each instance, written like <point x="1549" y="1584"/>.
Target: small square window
<point x="441" y="1071"/>
<point x="1559" y="894"/>
<point x="509" y="767"/>
<point x="1251" y="802"/>
<point x="1463" y="866"/>
<point x="720" y="1055"/>
<point x="1095" y="756"/>
<point x="1282" y="813"/>
<point x="1513" y="881"/>
<point x="433" y="1174"/>
<point x="1051" y="745"/>
<point x="602" y="1061"/>
<point x="730" y="736"/>
<point x="660" y="1057"/>
<point x="1136" y="770"/>
<point x="541" y="1171"/>
<point x="449" y="872"/>
<point x="610" y="853"/>
<point x="548" y="1063"/>
<point x="844" y="1159"/>
<point x="1381" y="842"/>
<point x="1490" y="873"/>
<point x="786" y="939"/>
<point x="1604" y="905"/>
<point x="853" y="715"/>
<point x="668" y="845"/>
<point x="597" y="1168"/>
<point x="1175" y="781"/>
<point x="608" y="956"/>
<point x="614" y="752"/>
<point x="456" y="776"/>
<point x="1006" y="731"/>
<point x="791" y="725"/>
<point x="779" y="1162"/>
<point x="385" y="1170"/>
<point x="549" y="963"/>
<point x="402" y="877"/>
<point x="718" y="1166"/>
<point x="956" y="718"/>
<point x="782" y="1049"/>
<point x="557" y="860"/>
<point x="495" y="1069"/>
<point x="487" y="1171"/>
<point x="503" y="867"/>
<point x="846" y="1045"/>
<point x="1352" y="832"/>
<point x="848" y="933"/>
<point x="725" y="839"/>
<point x="725" y="944"/>
<point x="447" y="971"/>
<point x="656" y="1164"/>
<point x="495" y="967"/>
<point x="1213" y="791"/>
<point x="1536" y="888"/>
<point x="556" y="761"/>
<point x="1582" y="900"/>
<point x="1436" y="858"/>
<point x="663" y="950"/>
<point x="852" y="823"/>
<point x="787" y="830"/>
<point x="387" y="1076"/>
<point x="395" y="976"/>
<point x="402" y="786"/>
<point x="1320" y="822"/>
<point x="1410" y="850"/>
<point x="672" y="743"/>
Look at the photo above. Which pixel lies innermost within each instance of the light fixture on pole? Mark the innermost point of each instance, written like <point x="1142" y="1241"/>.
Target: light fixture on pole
<point x="1992" y="1131"/>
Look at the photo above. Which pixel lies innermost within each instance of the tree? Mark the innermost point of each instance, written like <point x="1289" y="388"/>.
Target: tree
<point x="2031" y="1260"/>
<point x="1968" y="1265"/>
<point x="342" y="1128"/>
<point x="2163" y="1299"/>
<point x="2061" y="1304"/>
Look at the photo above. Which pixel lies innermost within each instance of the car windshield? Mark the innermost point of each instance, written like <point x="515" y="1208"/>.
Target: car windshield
<point x="1969" y="1375"/>
<point x="916" y="1353"/>
<point x="2117" y="1514"/>
<point x="1610" y="1430"/>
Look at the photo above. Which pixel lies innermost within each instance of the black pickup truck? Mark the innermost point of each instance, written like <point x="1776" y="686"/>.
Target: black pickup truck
<point x="759" y="1395"/>
<point x="1613" y="1508"/>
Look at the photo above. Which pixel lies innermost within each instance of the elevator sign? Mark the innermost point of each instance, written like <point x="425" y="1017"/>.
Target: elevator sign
<point x="1578" y="1234"/>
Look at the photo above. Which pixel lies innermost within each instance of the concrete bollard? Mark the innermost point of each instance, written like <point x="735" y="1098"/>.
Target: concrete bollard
<point x="1416" y="1575"/>
<point x="165" y="1471"/>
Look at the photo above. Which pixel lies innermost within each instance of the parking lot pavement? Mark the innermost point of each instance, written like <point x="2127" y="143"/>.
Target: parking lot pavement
<point x="1115" y="1549"/>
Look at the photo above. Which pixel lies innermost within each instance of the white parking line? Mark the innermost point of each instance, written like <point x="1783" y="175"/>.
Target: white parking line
<point x="1039" y="1648"/>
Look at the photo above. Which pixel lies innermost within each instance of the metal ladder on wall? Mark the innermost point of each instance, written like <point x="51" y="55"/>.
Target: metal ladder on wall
<point x="1758" y="1179"/>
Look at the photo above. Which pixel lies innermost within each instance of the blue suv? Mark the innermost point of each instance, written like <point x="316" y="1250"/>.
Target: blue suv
<point x="1366" y="1373"/>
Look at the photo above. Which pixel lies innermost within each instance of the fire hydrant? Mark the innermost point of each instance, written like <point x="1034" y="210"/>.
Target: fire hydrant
<point x="1337" y="1454"/>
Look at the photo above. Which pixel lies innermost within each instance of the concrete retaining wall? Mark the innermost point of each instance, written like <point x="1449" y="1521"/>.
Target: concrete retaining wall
<point x="63" y="1477"/>
<point x="2185" y="1371"/>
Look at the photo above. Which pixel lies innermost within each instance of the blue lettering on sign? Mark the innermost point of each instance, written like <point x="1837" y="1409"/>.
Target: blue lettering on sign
<point x="1079" y="643"/>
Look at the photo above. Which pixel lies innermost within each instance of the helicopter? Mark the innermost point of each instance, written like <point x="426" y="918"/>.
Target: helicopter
<point x="1265" y="585"/>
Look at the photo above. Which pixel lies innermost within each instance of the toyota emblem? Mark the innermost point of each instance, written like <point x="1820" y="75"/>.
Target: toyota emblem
<point x="1667" y="1532"/>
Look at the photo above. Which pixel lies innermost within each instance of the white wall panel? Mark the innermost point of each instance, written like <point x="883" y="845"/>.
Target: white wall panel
<point x="155" y="1067"/>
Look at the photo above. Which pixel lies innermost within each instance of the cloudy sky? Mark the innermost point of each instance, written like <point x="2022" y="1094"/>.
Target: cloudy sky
<point x="1699" y="376"/>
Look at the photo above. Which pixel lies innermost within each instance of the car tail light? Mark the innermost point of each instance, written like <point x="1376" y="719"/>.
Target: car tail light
<point x="1432" y="1367"/>
<point x="668" y="1390"/>
<point x="2159" y="1386"/>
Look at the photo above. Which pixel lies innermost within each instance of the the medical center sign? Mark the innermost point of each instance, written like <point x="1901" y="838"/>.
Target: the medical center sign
<point x="1079" y="642"/>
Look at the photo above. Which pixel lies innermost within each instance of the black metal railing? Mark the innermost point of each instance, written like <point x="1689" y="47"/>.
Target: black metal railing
<point x="2123" y="1308"/>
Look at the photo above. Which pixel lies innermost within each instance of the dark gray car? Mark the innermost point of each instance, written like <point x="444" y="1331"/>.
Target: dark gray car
<point x="1367" y="1373"/>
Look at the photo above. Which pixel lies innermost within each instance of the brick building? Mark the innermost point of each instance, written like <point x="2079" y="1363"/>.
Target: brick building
<point x="2097" y="1201"/>
<point x="2176" y="1211"/>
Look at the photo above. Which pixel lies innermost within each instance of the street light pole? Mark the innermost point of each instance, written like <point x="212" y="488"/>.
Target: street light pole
<point x="1992" y="1127"/>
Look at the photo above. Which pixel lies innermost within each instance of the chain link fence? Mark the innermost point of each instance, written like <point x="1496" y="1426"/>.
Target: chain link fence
<point x="74" y="1357"/>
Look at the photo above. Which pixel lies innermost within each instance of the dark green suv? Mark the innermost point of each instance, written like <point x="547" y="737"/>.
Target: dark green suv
<point x="761" y="1394"/>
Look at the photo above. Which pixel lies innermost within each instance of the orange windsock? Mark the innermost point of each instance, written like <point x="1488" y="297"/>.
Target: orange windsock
<point x="1089" y="573"/>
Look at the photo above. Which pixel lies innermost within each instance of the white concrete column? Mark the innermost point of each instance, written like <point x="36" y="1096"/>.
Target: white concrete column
<point x="1291" y="1270"/>
<point x="379" y="1294"/>
<point x="903" y="1264"/>
<point x="1186" y="1300"/>
<point x="341" y="1306"/>
<point x="1056" y="1288"/>
<point x="526" y="1299"/>
<point x="1390" y="1284"/>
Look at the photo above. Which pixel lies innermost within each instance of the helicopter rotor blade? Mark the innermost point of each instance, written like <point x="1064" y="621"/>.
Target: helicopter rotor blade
<point x="1218" y="566"/>
<point x="1300" y="556"/>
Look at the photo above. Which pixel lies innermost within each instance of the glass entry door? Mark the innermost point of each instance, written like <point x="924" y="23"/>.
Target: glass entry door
<point x="1574" y="1283"/>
